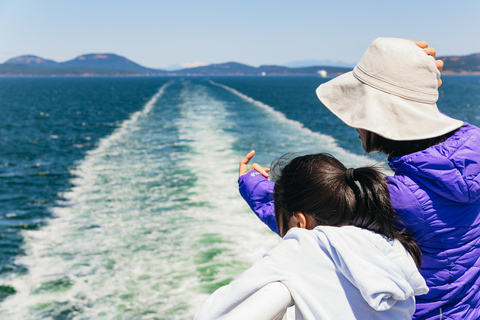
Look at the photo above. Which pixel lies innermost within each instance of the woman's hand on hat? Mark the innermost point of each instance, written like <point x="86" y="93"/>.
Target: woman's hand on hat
<point x="431" y="52"/>
<point x="243" y="168"/>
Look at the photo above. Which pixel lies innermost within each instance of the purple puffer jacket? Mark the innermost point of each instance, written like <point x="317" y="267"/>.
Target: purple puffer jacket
<point x="436" y="193"/>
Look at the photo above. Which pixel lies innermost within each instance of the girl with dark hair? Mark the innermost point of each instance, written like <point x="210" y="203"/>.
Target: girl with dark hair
<point x="340" y="257"/>
<point x="342" y="202"/>
<point x="390" y="99"/>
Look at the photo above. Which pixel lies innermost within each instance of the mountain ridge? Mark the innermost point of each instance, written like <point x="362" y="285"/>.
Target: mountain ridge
<point x="109" y="64"/>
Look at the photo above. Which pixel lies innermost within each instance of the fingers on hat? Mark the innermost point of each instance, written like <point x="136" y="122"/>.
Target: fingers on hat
<point x="421" y="44"/>
<point x="439" y="64"/>
<point x="430" y="51"/>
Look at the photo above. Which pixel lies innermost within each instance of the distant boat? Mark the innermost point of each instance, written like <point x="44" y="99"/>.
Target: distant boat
<point x="322" y="73"/>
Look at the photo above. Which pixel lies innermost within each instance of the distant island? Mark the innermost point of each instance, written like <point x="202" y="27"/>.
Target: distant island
<point x="461" y="64"/>
<point x="107" y="64"/>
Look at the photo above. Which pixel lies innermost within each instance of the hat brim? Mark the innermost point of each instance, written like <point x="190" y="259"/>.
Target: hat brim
<point x="361" y="106"/>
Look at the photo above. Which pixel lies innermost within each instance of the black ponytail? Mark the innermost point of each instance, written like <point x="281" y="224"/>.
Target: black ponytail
<point x="375" y="212"/>
<point x="320" y="186"/>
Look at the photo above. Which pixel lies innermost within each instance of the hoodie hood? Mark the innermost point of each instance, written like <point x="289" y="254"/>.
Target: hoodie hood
<point x="331" y="273"/>
<point x="447" y="169"/>
<point x="381" y="269"/>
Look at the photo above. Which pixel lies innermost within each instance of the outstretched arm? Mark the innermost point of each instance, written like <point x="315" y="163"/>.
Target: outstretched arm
<point x="257" y="191"/>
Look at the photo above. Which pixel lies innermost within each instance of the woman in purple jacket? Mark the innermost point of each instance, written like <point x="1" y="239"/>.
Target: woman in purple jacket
<point x="390" y="99"/>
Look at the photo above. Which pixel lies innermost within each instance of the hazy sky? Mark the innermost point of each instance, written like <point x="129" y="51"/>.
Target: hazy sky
<point x="157" y="33"/>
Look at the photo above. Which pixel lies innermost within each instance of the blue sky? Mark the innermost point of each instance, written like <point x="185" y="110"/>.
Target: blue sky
<point x="161" y="33"/>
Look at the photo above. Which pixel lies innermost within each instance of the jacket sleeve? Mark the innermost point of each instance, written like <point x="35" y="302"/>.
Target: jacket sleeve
<point x="257" y="191"/>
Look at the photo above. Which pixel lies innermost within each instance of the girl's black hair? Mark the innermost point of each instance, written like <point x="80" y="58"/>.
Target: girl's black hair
<point x="317" y="185"/>
<point x="394" y="148"/>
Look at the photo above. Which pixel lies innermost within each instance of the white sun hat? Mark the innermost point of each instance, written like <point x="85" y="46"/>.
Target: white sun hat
<point x="392" y="92"/>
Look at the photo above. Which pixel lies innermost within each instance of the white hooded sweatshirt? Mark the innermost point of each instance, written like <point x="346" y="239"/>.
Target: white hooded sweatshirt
<point x="331" y="273"/>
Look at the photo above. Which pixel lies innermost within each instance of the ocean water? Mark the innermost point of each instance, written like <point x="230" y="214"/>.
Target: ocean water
<point x="119" y="195"/>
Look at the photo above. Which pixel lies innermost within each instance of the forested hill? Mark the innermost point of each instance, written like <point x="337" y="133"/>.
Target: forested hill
<point x="461" y="64"/>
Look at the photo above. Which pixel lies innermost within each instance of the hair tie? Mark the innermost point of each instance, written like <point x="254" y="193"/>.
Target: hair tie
<point x="350" y="175"/>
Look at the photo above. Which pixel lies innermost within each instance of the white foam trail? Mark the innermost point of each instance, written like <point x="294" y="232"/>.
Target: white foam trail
<point x="215" y="164"/>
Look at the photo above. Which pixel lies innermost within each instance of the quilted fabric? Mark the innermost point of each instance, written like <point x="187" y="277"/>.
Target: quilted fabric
<point x="436" y="192"/>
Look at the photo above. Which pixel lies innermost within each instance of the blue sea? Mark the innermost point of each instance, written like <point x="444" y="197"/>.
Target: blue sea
<point x="118" y="196"/>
